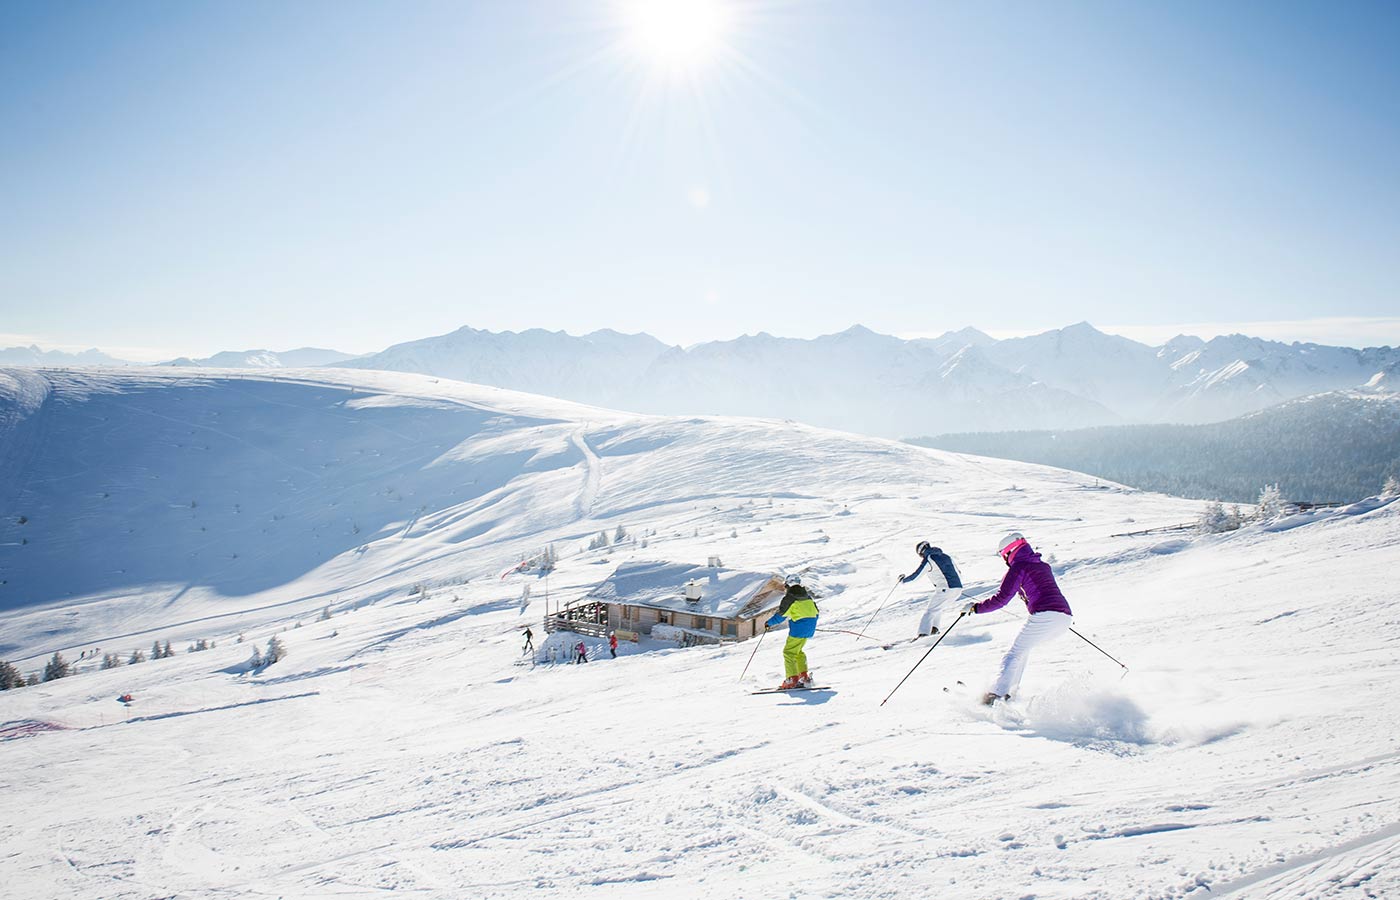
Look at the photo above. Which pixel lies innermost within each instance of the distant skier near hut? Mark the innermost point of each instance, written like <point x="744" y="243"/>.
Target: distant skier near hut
<point x="1050" y="617"/>
<point x="947" y="584"/>
<point x="529" y="642"/>
<point x="801" y="611"/>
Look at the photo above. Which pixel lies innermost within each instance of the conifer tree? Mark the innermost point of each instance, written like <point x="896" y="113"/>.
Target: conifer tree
<point x="1391" y="487"/>
<point x="136" y="657"/>
<point x="1270" y="503"/>
<point x="57" y="668"/>
<point x="276" y="650"/>
<point x="10" y="678"/>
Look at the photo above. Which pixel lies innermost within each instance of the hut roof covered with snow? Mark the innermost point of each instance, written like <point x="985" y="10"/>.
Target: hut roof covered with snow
<point x="725" y="593"/>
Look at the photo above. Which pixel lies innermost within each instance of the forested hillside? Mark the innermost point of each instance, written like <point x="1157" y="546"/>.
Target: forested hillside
<point x="1330" y="447"/>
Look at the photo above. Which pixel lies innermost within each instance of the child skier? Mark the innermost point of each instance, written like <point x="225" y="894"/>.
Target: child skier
<point x="1050" y="616"/>
<point x="947" y="584"/>
<point x="801" y="611"/>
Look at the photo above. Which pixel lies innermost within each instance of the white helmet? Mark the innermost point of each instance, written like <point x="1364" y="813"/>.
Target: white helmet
<point x="1010" y="541"/>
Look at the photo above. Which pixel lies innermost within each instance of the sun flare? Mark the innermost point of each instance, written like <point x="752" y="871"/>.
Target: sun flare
<point x="676" y="34"/>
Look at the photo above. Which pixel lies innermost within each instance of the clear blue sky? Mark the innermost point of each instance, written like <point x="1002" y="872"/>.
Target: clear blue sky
<point x="187" y="177"/>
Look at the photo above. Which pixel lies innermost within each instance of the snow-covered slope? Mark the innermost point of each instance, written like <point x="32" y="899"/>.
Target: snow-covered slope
<point x="399" y="749"/>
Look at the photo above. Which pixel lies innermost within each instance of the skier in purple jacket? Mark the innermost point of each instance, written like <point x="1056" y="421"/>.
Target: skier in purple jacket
<point x="1050" y="617"/>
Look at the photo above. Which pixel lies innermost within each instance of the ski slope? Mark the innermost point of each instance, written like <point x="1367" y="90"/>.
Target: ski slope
<point x="401" y="749"/>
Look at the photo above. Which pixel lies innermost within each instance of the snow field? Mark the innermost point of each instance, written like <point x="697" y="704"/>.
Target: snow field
<point x="400" y="750"/>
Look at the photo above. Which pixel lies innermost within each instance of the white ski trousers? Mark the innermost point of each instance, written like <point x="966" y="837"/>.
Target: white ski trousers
<point x="1039" y="628"/>
<point x="942" y="598"/>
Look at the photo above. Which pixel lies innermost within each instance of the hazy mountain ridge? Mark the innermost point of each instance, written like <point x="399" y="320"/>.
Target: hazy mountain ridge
<point x="1333" y="447"/>
<point x="879" y="384"/>
<point x="301" y="357"/>
<point x="860" y="380"/>
<point x="32" y="356"/>
<point x="601" y="367"/>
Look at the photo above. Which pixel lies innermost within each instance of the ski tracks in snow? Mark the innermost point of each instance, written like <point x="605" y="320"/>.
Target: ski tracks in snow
<point x="593" y="474"/>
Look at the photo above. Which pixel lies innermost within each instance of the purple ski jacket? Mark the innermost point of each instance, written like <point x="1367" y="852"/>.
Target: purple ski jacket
<point x="1031" y="577"/>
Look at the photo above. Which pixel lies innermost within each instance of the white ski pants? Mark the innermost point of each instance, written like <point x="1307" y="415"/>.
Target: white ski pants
<point x="1039" y="628"/>
<point x="941" y="599"/>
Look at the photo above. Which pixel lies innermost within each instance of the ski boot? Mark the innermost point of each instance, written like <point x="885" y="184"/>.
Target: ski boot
<point x="805" y="679"/>
<point x="992" y="697"/>
<point x="789" y="683"/>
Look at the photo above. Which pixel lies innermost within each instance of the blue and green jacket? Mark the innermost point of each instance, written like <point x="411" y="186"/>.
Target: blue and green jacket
<point x="800" y="609"/>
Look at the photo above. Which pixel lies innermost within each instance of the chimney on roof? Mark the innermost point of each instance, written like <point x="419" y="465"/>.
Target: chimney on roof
<point x="693" y="591"/>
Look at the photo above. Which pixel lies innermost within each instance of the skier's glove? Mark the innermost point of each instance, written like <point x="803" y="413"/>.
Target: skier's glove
<point x="970" y="609"/>
<point x="899" y="579"/>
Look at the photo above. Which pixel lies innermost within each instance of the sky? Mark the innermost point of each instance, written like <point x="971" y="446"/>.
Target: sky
<point x="181" y="178"/>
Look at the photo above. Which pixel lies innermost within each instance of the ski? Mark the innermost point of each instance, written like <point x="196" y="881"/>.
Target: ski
<point x="892" y="644"/>
<point x="815" y="687"/>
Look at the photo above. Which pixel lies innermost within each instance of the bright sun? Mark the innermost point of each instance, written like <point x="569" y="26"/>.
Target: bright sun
<point x="676" y="34"/>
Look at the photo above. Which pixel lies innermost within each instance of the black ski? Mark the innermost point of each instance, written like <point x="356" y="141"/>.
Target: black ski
<point x="823" y="687"/>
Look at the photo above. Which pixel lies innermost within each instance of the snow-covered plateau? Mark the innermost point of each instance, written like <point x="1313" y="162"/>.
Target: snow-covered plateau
<point x="375" y="522"/>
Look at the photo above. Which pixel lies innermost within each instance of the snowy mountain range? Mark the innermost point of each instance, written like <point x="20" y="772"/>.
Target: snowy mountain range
<point x="374" y="524"/>
<point x="33" y="356"/>
<point x="876" y="384"/>
<point x="861" y="381"/>
<point x="266" y="359"/>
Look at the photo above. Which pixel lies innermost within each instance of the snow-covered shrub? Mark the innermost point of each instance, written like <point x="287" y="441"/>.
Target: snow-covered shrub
<point x="620" y="535"/>
<point x="599" y="542"/>
<point x="136" y="657"/>
<point x="1270" y="503"/>
<point x="57" y="668"/>
<point x="1213" y="519"/>
<point x="325" y="614"/>
<point x="276" y="650"/>
<point x="111" y="660"/>
<point x="256" y="660"/>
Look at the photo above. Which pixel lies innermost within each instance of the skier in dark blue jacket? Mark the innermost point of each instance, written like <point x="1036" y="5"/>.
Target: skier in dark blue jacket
<point x="947" y="584"/>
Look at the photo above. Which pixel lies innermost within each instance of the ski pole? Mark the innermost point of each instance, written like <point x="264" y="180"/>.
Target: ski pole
<point x="753" y="654"/>
<point x="925" y="656"/>
<point x="845" y="631"/>
<point x="1100" y="649"/>
<point x="880" y="607"/>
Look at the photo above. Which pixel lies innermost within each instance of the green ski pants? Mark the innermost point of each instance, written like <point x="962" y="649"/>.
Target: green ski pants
<point x="794" y="660"/>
